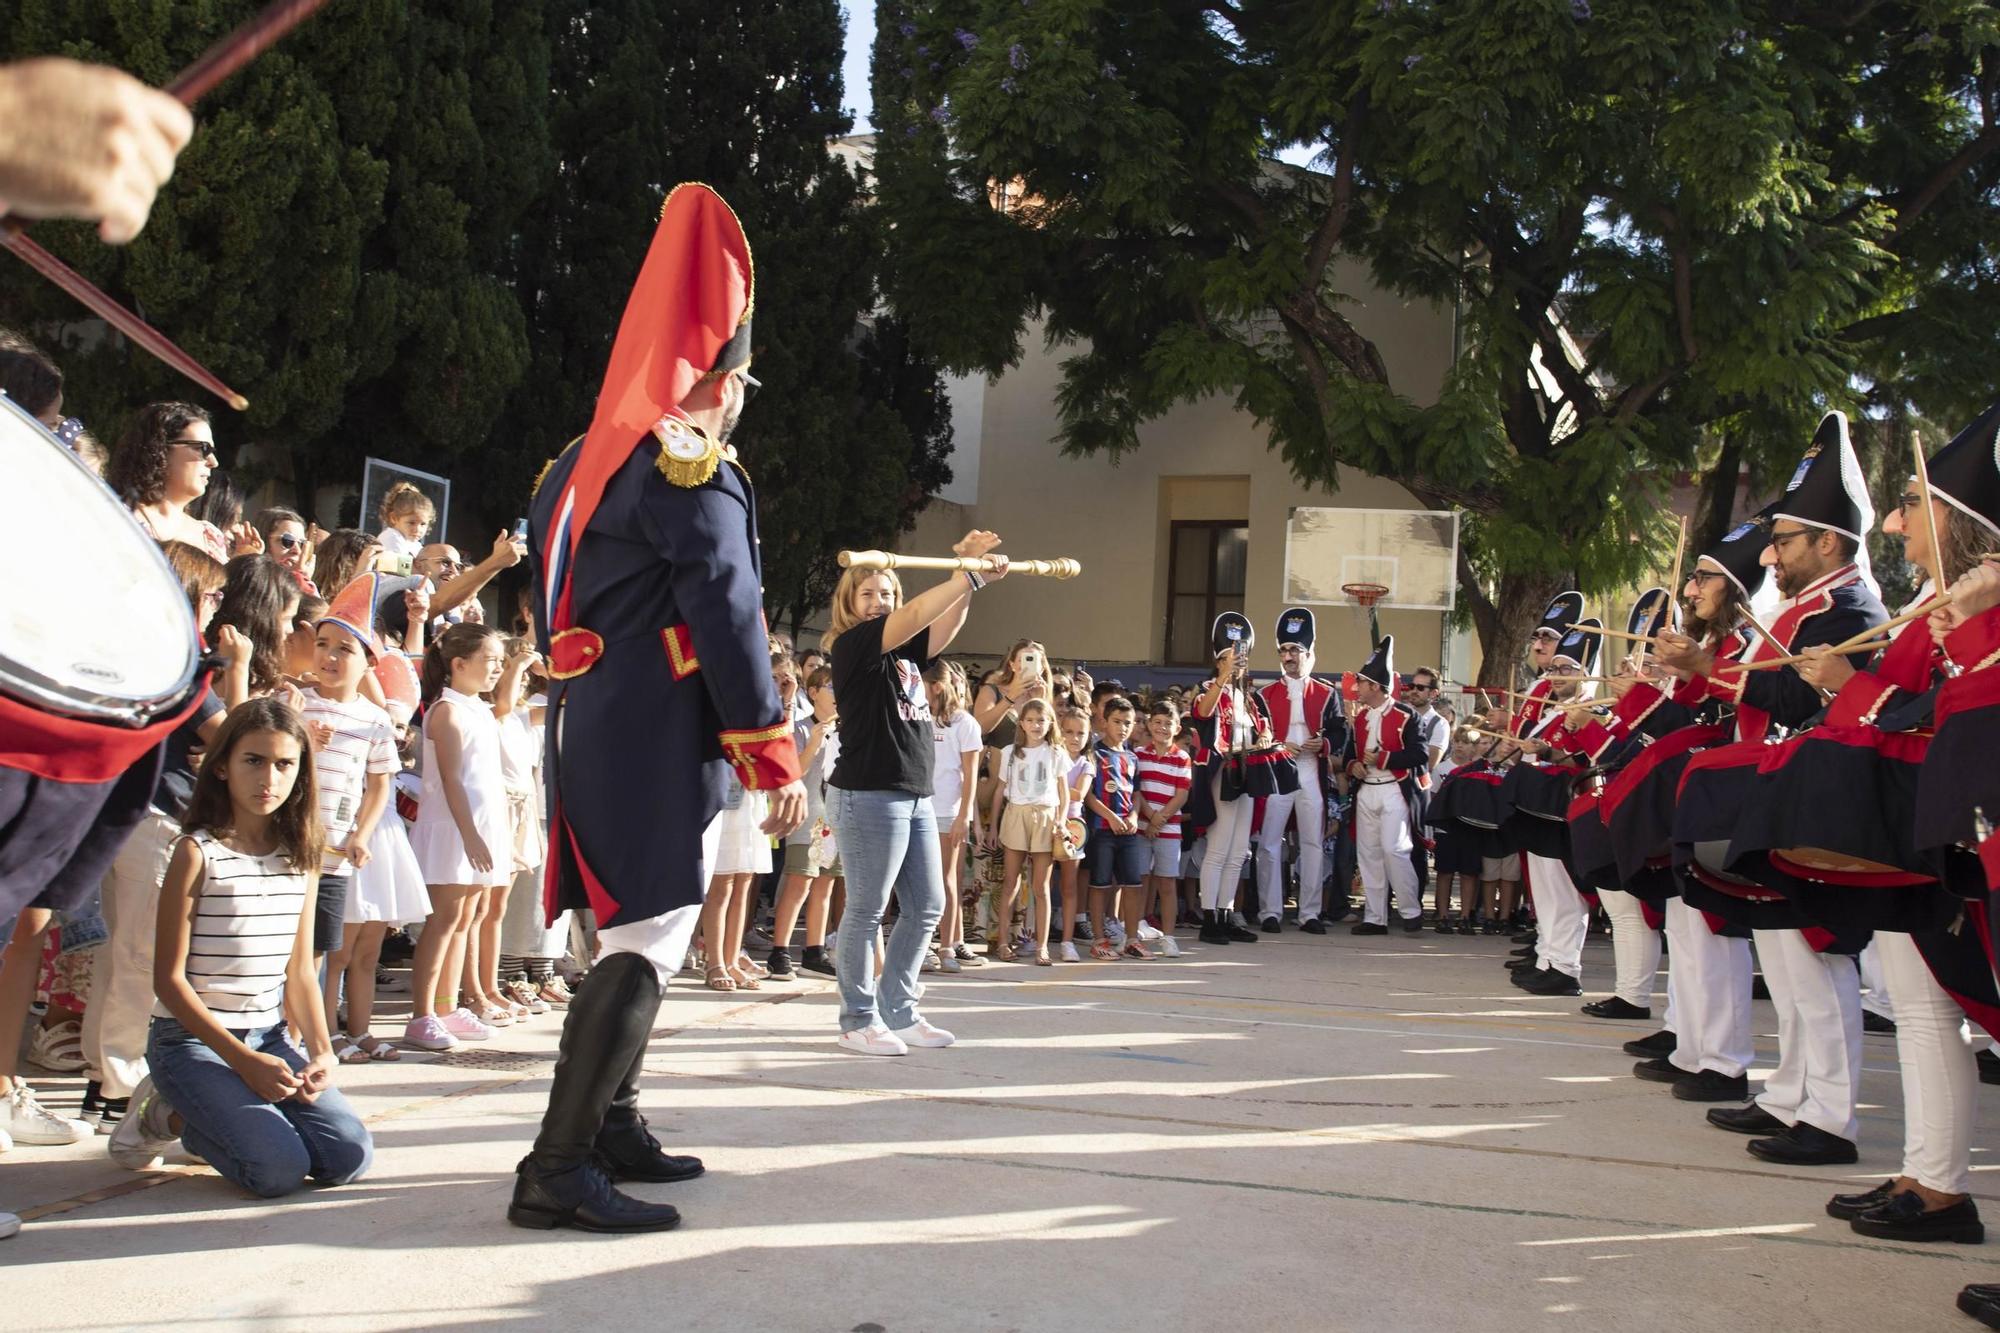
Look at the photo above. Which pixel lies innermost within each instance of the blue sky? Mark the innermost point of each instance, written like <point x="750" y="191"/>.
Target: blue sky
<point x="854" y="70"/>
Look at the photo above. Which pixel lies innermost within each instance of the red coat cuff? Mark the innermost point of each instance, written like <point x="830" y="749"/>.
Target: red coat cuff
<point x="1859" y="700"/>
<point x="1976" y="640"/>
<point x="765" y="759"/>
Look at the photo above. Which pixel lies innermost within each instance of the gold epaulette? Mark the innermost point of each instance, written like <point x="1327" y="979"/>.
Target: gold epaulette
<point x="542" y="476"/>
<point x="688" y="456"/>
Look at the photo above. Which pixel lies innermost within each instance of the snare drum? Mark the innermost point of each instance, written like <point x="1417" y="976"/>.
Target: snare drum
<point x="108" y="639"/>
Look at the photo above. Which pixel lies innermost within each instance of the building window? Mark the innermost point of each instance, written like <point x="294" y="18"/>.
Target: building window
<point x="1205" y="577"/>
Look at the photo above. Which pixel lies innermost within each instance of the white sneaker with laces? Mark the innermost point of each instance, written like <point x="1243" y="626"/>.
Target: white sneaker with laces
<point x="949" y="962"/>
<point x="146" y="1133"/>
<point x="6" y="1140"/>
<point x="1147" y="934"/>
<point x="923" y="1032"/>
<point x="1169" y="947"/>
<point x="26" y="1120"/>
<point x="9" y="1225"/>
<point x="873" y="1040"/>
<point x="1069" y="953"/>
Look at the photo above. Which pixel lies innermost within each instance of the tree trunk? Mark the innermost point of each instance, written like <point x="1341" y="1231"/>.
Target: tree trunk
<point x="1503" y="623"/>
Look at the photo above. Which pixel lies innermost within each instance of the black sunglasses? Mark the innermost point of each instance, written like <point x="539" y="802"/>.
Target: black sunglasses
<point x="205" y="448"/>
<point x="288" y="541"/>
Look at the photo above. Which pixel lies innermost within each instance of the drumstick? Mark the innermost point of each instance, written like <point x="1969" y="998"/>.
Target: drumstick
<point x="1063" y="568"/>
<point x="1673" y="591"/>
<point x="1843" y="650"/>
<point x="250" y="40"/>
<point x="1930" y="515"/>
<point x="15" y="237"/>
<point x="1617" y="634"/>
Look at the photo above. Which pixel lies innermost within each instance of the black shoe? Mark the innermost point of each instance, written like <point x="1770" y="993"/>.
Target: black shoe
<point x="580" y="1196"/>
<point x="1847" y="1207"/>
<point x="1982" y="1303"/>
<point x="1805" y="1145"/>
<point x="1367" y="928"/>
<point x="1236" y="933"/>
<point x="1902" y="1217"/>
<point x="1212" y="931"/>
<point x="780" y="964"/>
<point x="1525" y="937"/>
<point x="630" y="1152"/>
<point x="1548" y="981"/>
<point x="1659" y="1070"/>
<point x="1750" y="1119"/>
<point x="1315" y="926"/>
<point x="1271" y="925"/>
<point x="1444" y="927"/>
<point x="1758" y="990"/>
<point x="1412" y="924"/>
<point x="1336" y="914"/>
<point x="93" y="1102"/>
<point x="1874" y="1022"/>
<point x="1989" y="1067"/>
<point x="814" y="959"/>
<point x="1661" y="1043"/>
<point x="1492" y="928"/>
<point x="1615" y="1007"/>
<point x="1709" y="1086"/>
<point x="1528" y="964"/>
<point x="1525" y="951"/>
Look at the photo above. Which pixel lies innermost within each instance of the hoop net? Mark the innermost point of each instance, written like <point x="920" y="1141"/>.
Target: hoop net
<point x="1365" y="596"/>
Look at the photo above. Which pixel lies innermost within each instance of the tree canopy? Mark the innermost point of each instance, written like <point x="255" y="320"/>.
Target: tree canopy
<point x="1672" y="233"/>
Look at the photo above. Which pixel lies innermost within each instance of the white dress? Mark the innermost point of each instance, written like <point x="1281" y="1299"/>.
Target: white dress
<point x="435" y="838"/>
<point x="390" y="887"/>
<point x="742" y="847"/>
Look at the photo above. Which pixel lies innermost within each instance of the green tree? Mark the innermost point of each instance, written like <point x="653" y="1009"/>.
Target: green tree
<point x="1672" y="234"/>
<point x="745" y="98"/>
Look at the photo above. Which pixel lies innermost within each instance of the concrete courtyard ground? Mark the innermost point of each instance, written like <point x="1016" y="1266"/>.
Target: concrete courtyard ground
<point x="1337" y="1133"/>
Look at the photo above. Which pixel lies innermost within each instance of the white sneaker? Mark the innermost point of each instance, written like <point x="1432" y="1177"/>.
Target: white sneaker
<point x="1115" y="932"/>
<point x="948" y="962"/>
<point x="1147" y="934"/>
<point x="923" y="1032"/>
<point x="9" y="1225"/>
<point x="931" y="962"/>
<point x="6" y="1140"/>
<point x="1069" y="954"/>
<point x="146" y="1133"/>
<point x="26" y="1120"/>
<point x="873" y="1040"/>
<point x="1169" y="947"/>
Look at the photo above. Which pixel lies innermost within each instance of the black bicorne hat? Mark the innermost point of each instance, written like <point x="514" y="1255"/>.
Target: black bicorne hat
<point x="1381" y="664"/>
<point x="1648" y="616"/>
<point x="1740" y="554"/>
<point x="1829" y="489"/>
<point x="1965" y="474"/>
<point x="1581" y="644"/>
<point x="1564" y="611"/>
<point x="1296" y="625"/>
<point x="1232" y="629"/>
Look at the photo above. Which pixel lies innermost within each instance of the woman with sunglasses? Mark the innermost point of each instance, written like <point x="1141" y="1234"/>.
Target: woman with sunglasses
<point x="161" y="466"/>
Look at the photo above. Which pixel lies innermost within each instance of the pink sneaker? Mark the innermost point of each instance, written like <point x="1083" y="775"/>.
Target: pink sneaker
<point x="923" y="1032"/>
<point x="873" y="1040"/>
<point x="461" y="1024"/>
<point x="428" y="1033"/>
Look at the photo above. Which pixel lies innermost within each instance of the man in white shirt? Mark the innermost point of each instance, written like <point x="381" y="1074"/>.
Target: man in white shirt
<point x="1298" y="705"/>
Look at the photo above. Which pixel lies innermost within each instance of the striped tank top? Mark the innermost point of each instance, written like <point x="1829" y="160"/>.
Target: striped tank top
<point x="246" y="916"/>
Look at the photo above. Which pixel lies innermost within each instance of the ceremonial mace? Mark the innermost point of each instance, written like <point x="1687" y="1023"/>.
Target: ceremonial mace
<point x="217" y="63"/>
<point x="1063" y="568"/>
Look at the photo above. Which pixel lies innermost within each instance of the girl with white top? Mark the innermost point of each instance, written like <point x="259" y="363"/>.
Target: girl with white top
<point x="461" y="838"/>
<point x="484" y="995"/>
<point x="407" y="514"/>
<point x="232" y="965"/>
<point x="1029" y="803"/>
<point x="1074" y="723"/>
<point x="955" y="732"/>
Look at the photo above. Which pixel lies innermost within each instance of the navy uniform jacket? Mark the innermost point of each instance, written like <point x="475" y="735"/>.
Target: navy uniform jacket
<point x="1782" y="692"/>
<point x="664" y="684"/>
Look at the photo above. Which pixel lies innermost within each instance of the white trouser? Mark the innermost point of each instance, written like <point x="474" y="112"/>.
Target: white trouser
<point x="663" y="940"/>
<point x="1671" y="1020"/>
<point x="121" y="999"/>
<point x="1940" y="1072"/>
<point x="1382" y="848"/>
<point x="1874" y="990"/>
<point x="1560" y="920"/>
<point x="1635" y="946"/>
<point x="1818" y="999"/>
<point x="1712" y="1002"/>
<point x="1309" y="803"/>
<point x="1228" y="846"/>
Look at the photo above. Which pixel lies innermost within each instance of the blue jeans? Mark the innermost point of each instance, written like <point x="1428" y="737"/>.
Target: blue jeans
<point x="266" y="1148"/>
<point x="888" y="840"/>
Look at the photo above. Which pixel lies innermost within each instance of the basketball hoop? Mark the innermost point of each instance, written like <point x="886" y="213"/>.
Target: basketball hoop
<point x="1365" y="596"/>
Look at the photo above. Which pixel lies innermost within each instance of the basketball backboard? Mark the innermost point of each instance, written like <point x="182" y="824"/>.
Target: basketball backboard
<point x="1411" y="552"/>
<point x="378" y="475"/>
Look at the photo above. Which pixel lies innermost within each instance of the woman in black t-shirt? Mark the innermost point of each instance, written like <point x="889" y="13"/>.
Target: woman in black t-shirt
<point x="878" y="798"/>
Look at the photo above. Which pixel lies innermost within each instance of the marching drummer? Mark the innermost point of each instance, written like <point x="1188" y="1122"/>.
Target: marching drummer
<point x="1306" y="719"/>
<point x="1383" y="757"/>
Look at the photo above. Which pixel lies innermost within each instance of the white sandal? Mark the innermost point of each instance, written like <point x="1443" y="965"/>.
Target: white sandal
<point x="348" y="1051"/>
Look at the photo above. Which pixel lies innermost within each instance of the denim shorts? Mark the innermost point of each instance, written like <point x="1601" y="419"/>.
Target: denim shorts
<point x="1118" y="860"/>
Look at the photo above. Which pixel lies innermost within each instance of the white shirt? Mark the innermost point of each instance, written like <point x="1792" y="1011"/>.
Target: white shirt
<point x="1436" y="734"/>
<point x="955" y="740"/>
<point x="1377" y="741"/>
<point x="1030" y="774"/>
<point x="1297" y="733"/>
<point x="393" y="542"/>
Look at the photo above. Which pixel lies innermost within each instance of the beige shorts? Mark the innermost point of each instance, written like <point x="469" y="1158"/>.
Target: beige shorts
<point x="1500" y="867"/>
<point x="1028" y="828"/>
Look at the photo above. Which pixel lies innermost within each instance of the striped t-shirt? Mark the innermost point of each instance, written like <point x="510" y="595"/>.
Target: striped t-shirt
<point x="246" y="917"/>
<point x="363" y="742"/>
<point x="1163" y="777"/>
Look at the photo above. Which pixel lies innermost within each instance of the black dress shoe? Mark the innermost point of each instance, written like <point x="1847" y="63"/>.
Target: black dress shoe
<point x="1847" y="1207"/>
<point x="630" y="1152"/>
<point x="1709" y="1086"/>
<point x="1525" y="937"/>
<point x="1413" y="924"/>
<point x="1902" y="1217"/>
<point x="1659" y="1070"/>
<point x="1368" y="928"/>
<point x="1548" y="981"/>
<point x="1750" y="1119"/>
<point x="1660" y="1043"/>
<point x="1805" y="1145"/>
<point x="1989" y="1067"/>
<point x="1525" y="951"/>
<point x="1236" y="933"/>
<point x="1874" y="1022"/>
<point x="1615" y="1007"/>
<point x="1982" y="1303"/>
<point x="1314" y="926"/>
<point x="581" y="1196"/>
<point x="1271" y="925"/>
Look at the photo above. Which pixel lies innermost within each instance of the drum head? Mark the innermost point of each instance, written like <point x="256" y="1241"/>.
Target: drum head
<point x="94" y="624"/>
